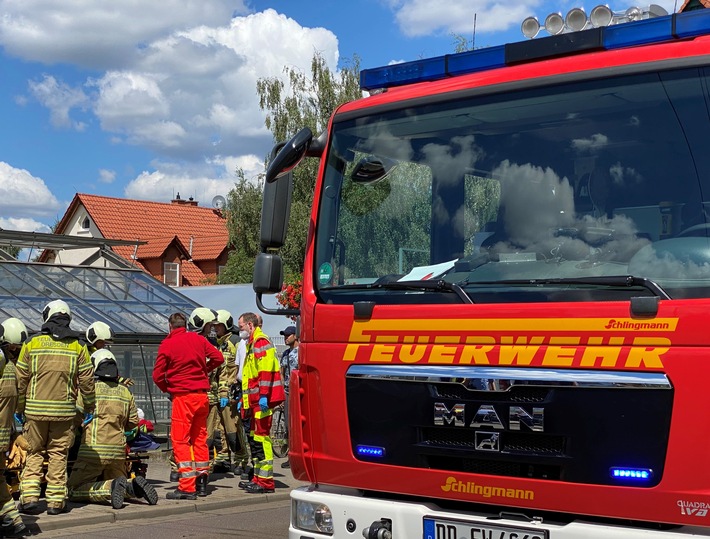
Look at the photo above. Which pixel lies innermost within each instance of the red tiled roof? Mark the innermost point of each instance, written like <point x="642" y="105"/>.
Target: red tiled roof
<point x="199" y="229"/>
<point x="156" y="247"/>
<point x="192" y="274"/>
<point x="125" y="219"/>
<point x="204" y="248"/>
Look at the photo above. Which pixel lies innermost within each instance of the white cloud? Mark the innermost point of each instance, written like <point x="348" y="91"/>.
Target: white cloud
<point x="421" y="17"/>
<point x="59" y="98"/>
<point x="191" y="95"/>
<point x="23" y="224"/>
<point x="100" y="34"/>
<point x="107" y="176"/>
<point x="203" y="182"/>
<point x="176" y="78"/>
<point x="22" y="194"/>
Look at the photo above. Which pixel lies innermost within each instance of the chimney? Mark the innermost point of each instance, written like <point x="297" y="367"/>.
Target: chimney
<point x="192" y="202"/>
<point x="178" y="200"/>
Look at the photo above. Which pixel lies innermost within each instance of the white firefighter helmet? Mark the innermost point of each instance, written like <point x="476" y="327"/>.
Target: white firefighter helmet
<point x="99" y="331"/>
<point x="104" y="363"/>
<point x="225" y="317"/>
<point x="55" y="307"/>
<point x="13" y="331"/>
<point x="100" y="356"/>
<point x="200" y="317"/>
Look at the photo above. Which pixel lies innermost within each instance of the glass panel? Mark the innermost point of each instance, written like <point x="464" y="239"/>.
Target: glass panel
<point x="128" y="300"/>
<point x="507" y="194"/>
<point x="137" y="361"/>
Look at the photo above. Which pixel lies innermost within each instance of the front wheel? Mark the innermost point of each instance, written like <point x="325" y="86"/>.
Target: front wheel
<point x="279" y="440"/>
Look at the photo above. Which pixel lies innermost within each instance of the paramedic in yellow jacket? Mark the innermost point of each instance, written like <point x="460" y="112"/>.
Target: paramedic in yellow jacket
<point x="262" y="391"/>
<point x="53" y="366"/>
<point x="12" y="334"/>
<point x="99" y="474"/>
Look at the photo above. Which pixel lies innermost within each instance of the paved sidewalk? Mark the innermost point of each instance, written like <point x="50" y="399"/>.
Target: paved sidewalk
<point x="222" y="492"/>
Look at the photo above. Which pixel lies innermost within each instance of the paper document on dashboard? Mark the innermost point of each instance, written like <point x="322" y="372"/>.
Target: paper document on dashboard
<point x="423" y="273"/>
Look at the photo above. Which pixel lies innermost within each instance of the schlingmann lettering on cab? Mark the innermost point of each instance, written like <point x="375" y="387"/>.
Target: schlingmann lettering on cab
<point x="486" y="491"/>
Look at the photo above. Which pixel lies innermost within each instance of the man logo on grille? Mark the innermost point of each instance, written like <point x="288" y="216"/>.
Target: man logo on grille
<point x="487" y="441"/>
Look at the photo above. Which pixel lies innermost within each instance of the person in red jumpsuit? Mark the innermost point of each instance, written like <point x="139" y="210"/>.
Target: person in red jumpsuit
<point x="181" y="370"/>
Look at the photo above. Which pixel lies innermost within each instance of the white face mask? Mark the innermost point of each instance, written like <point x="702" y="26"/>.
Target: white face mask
<point x="244" y="334"/>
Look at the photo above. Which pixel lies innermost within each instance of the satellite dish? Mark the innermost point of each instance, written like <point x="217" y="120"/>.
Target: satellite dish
<point x="219" y="202"/>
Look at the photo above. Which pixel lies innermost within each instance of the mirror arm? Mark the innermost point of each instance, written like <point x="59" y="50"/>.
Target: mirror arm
<point x="267" y="310"/>
<point x="317" y="146"/>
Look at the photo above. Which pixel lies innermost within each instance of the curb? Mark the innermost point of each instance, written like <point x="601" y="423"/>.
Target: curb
<point x="109" y="516"/>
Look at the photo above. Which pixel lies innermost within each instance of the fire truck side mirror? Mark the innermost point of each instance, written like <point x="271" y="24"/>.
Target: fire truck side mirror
<point x="275" y="212"/>
<point x="268" y="273"/>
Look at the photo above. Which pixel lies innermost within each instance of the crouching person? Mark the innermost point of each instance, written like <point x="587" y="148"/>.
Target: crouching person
<point x="99" y="474"/>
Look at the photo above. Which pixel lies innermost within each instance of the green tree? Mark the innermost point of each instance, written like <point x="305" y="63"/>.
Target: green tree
<point x="291" y="103"/>
<point x="243" y="219"/>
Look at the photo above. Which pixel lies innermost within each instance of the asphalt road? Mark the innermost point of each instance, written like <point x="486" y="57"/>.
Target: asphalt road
<point x="265" y="521"/>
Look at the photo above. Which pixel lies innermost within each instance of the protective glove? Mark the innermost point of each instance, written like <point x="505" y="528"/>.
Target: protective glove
<point x="263" y="404"/>
<point x="239" y="406"/>
<point x="20" y="418"/>
<point x="88" y="418"/>
<point x="223" y="402"/>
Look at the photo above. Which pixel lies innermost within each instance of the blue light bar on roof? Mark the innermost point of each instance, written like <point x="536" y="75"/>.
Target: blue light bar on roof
<point x="655" y="30"/>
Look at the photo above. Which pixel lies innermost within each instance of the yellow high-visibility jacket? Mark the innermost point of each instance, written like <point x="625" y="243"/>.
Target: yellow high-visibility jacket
<point x="261" y="376"/>
<point x="50" y="373"/>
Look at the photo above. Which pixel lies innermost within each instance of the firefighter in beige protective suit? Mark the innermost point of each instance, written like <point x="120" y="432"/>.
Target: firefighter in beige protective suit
<point x="52" y="368"/>
<point x="12" y="334"/>
<point x="99" y="474"/>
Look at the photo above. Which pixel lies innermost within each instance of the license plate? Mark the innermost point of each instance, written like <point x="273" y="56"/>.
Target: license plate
<point x="454" y="529"/>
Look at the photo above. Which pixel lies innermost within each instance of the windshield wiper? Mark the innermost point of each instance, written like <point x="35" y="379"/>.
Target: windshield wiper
<point x="436" y="285"/>
<point x="622" y="281"/>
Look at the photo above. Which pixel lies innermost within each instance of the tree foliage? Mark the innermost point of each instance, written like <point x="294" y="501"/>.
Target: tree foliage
<point x="291" y="103"/>
<point x="243" y="220"/>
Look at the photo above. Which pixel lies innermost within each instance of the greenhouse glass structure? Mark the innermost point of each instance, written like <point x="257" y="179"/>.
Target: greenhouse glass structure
<point x="133" y="303"/>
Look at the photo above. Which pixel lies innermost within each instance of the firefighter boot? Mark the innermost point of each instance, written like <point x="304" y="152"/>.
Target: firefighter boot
<point x="118" y="492"/>
<point x="140" y="488"/>
<point x="201" y="484"/>
<point x="13" y="528"/>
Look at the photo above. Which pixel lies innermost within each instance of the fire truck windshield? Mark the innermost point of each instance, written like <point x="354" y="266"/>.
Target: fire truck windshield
<point x="556" y="185"/>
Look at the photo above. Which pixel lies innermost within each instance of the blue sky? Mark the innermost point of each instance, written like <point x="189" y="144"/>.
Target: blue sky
<point x="146" y="99"/>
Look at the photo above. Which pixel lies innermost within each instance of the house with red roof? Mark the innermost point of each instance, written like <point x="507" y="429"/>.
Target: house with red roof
<point x="179" y="243"/>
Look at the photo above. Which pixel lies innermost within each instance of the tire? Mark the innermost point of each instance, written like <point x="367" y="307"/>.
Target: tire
<point x="278" y="433"/>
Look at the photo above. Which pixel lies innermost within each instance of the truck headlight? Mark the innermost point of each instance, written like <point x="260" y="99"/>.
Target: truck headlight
<point x="314" y="517"/>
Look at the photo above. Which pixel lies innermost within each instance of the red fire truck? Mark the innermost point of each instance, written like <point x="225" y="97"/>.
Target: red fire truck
<point x="506" y="295"/>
